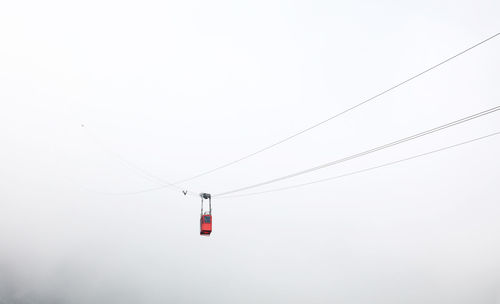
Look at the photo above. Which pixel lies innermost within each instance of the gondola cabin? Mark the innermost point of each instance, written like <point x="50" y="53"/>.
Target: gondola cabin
<point x="206" y="224"/>
<point x="206" y="217"/>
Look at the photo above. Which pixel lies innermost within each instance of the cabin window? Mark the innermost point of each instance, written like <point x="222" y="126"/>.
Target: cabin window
<point x="207" y="220"/>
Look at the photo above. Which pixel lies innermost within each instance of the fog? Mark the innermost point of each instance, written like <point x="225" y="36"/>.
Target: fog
<point x="93" y="92"/>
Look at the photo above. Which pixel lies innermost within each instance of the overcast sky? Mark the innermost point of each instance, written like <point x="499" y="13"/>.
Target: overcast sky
<point x="180" y="87"/>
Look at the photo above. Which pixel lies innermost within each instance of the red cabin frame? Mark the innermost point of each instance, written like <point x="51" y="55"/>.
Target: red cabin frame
<point x="206" y="217"/>
<point x="206" y="224"/>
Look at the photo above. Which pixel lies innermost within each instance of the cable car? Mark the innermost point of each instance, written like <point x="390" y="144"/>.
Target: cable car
<point x="206" y="217"/>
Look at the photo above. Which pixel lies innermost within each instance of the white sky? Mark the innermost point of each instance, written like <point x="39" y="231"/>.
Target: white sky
<point x="181" y="87"/>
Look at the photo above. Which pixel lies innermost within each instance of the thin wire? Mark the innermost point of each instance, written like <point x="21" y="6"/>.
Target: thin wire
<point x="336" y="115"/>
<point x="362" y="170"/>
<point x="133" y="192"/>
<point x="335" y="162"/>
<point x="138" y="170"/>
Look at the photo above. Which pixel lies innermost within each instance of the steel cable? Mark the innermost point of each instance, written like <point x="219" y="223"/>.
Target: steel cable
<point x="382" y="147"/>
<point x="362" y="170"/>
<point x="338" y="114"/>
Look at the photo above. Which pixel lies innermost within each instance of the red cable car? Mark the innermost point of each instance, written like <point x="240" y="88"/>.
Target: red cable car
<point x="206" y="217"/>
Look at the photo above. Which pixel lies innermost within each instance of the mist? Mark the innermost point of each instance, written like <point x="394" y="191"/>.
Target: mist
<point x="95" y="94"/>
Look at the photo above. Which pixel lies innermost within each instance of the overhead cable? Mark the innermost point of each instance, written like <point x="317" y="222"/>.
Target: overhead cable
<point x="357" y="155"/>
<point x="362" y="170"/>
<point x="130" y="192"/>
<point x="138" y="170"/>
<point x="338" y="114"/>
